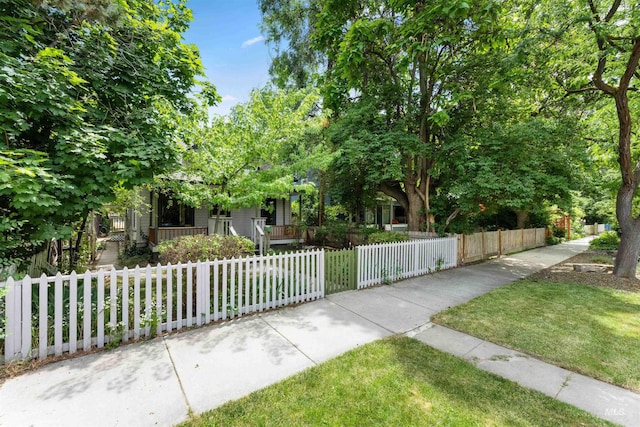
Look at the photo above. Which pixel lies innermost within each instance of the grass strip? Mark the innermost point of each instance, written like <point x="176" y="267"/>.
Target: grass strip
<point x="591" y="330"/>
<point x="396" y="381"/>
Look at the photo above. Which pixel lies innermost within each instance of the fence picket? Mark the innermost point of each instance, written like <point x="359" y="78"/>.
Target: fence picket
<point x="43" y="321"/>
<point x="147" y="300"/>
<point x="73" y="313"/>
<point x="169" y="321"/>
<point x="57" y="318"/>
<point x="113" y="292"/>
<point x="206" y="288"/>
<point x="158" y="308"/>
<point x="224" y="289"/>
<point x="189" y="311"/>
<point x="125" y="304"/>
<point x="100" y="308"/>
<point x="232" y="289"/>
<point x="25" y="350"/>
<point x="136" y="302"/>
<point x="86" y="311"/>
<point x="179" y="296"/>
<point x="216" y="291"/>
<point x="12" y="319"/>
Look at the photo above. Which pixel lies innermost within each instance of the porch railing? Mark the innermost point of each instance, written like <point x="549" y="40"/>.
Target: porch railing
<point x="279" y="232"/>
<point x="160" y="234"/>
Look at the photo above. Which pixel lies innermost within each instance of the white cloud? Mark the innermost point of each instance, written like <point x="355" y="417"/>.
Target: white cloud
<point x="229" y="98"/>
<point x="254" y="40"/>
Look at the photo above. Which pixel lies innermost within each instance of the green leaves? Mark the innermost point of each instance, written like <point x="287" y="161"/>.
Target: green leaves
<point x="92" y="96"/>
<point x="252" y="154"/>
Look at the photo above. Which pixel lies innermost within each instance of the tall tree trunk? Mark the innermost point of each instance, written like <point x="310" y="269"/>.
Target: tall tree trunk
<point x="414" y="208"/>
<point x="627" y="257"/>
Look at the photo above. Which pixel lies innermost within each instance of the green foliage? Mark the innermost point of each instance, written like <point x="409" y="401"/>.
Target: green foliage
<point x="333" y="233"/>
<point x="387" y="237"/>
<point x="91" y="96"/>
<point x="202" y="248"/>
<point x="608" y="240"/>
<point x="553" y="240"/>
<point x="252" y="154"/>
<point x="559" y="232"/>
<point x="134" y="256"/>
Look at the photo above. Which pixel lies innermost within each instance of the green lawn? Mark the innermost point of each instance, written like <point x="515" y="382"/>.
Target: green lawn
<point x="587" y="329"/>
<point x="395" y="382"/>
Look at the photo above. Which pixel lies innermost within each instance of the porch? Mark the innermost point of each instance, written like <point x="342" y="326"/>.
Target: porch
<point x="278" y="234"/>
<point x="158" y="235"/>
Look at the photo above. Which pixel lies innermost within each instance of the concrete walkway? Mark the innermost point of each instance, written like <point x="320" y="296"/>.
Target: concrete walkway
<point x="159" y="381"/>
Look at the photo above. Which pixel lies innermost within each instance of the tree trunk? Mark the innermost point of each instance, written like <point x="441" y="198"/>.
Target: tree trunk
<point x="415" y="205"/>
<point x="522" y="218"/>
<point x="627" y="258"/>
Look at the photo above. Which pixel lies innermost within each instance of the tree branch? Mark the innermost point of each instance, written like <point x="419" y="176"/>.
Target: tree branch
<point x="632" y="66"/>
<point x="612" y="11"/>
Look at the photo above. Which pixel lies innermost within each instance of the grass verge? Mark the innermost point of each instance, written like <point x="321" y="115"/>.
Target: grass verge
<point x="396" y="381"/>
<point x="587" y="329"/>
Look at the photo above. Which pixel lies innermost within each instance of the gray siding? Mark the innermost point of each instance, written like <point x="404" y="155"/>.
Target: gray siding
<point x="201" y="217"/>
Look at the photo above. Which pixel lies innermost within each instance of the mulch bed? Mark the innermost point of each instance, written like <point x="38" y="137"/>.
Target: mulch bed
<point x="564" y="272"/>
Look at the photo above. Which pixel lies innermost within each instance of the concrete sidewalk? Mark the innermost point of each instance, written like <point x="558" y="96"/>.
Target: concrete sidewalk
<point x="159" y="381"/>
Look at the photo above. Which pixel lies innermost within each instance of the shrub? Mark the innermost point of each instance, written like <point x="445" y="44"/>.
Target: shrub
<point x="607" y="241"/>
<point x="134" y="255"/>
<point x="559" y="232"/>
<point x="553" y="240"/>
<point x="333" y="233"/>
<point x="202" y="247"/>
<point x="387" y="237"/>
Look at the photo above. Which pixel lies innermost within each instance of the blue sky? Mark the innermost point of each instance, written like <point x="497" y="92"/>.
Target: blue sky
<point x="233" y="53"/>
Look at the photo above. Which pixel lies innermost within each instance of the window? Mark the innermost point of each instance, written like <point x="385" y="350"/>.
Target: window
<point x="172" y="213"/>
<point x="269" y="211"/>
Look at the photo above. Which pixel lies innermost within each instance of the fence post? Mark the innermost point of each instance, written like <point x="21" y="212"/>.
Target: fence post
<point x="484" y="249"/>
<point x="499" y="242"/>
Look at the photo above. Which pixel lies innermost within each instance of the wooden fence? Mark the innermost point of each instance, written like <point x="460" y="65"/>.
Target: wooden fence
<point x="480" y="246"/>
<point x="63" y="314"/>
<point x="389" y="262"/>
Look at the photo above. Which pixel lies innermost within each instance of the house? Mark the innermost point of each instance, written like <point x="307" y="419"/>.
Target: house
<point x="387" y="214"/>
<point x="162" y="218"/>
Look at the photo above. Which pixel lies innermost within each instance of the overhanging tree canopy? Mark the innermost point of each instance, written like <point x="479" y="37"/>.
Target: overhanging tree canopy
<point x="89" y="95"/>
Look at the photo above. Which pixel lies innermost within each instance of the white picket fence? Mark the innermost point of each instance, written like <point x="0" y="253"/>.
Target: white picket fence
<point x="59" y="314"/>
<point x="389" y="262"/>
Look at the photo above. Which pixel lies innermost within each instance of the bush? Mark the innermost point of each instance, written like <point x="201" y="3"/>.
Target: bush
<point x="553" y="240"/>
<point x="202" y="247"/>
<point x="559" y="232"/>
<point x="607" y="241"/>
<point x="387" y="237"/>
<point x="134" y="255"/>
<point x="333" y="233"/>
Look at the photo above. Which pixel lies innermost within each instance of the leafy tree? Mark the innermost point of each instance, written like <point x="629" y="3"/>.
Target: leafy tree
<point x="254" y="153"/>
<point x="89" y="96"/>
<point x="519" y="166"/>
<point x="403" y="61"/>
<point x="597" y="55"/>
